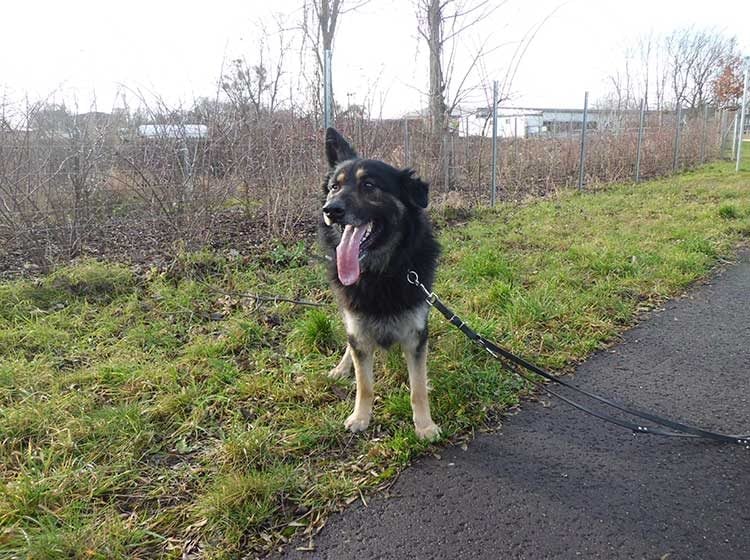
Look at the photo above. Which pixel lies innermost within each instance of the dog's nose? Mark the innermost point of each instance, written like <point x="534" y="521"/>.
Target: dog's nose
<point x="334" y="211"/>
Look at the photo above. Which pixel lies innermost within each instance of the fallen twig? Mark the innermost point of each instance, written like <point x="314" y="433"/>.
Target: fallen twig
<point x="269" y="298"/>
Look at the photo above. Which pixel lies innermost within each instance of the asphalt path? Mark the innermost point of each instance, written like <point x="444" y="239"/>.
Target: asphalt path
<point x="555" y="483"/>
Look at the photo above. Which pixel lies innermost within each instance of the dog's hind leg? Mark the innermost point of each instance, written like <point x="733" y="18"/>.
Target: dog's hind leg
<point x="363" y="359"/>
<point x="344" y="368"/>
<point x="416" y="362"/>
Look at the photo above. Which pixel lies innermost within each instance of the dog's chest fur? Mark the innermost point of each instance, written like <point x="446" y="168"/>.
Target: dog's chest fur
<point x="408" y="328"/>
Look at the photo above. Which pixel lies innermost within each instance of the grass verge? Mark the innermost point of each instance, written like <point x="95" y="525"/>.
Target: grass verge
<point x="164" y="416"/>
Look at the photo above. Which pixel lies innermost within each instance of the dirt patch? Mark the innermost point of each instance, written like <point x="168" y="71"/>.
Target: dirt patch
<point x="142" y="242"/>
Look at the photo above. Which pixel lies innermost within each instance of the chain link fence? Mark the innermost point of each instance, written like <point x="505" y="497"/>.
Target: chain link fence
<point x="66" y="188"/>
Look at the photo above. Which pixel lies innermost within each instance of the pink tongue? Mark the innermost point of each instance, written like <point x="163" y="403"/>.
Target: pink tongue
<point x="347" y="254"/>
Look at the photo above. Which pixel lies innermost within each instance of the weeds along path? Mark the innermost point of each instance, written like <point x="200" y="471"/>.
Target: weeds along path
<point x="162" y="415"/>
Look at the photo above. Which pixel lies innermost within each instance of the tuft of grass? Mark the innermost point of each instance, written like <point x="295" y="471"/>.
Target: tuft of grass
<point x="92" y="281"/>
<point x="314" y="332"/>
<point x="167" y="416"/>
<point x="447" y="215"/>
<point x="729" y="212"/>
<point x="238" y="502"/>
<point x="288" y="256"/>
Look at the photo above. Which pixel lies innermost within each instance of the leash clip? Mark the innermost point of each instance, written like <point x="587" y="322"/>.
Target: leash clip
<point x="413" y="278"/>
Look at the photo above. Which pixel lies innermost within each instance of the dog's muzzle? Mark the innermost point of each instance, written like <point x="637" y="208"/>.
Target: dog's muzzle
<point x="333" y="212"/>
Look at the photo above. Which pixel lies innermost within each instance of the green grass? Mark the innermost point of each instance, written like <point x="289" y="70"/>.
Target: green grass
<point x="151" y="416"/>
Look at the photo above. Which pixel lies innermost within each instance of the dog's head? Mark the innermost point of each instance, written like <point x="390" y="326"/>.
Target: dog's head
<point x="367" y="202"/>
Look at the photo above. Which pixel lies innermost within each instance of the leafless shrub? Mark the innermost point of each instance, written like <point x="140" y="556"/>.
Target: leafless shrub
<point x="66" y="177"/>
<point x="167" y="166"/>
<point x="52" y="164"/>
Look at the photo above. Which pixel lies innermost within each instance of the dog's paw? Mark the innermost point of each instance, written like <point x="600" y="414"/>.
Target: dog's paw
<point x="430" y="432"/>
<point x="357" y="423"/>
<point x="339" y="373"/>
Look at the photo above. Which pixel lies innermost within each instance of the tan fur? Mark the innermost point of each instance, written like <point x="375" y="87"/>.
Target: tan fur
<point x="405" y="329"/>
<point x="359" y="419"/>
<point x="344" y="367"/>
<point x="341" y="178"/>
<point x="360" y="173"/>
<point x="424" y="427"/>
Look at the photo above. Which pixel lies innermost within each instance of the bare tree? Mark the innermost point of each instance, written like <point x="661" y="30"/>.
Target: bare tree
<point x="51" y="167"/>
<point x="439" y="23"/>
<point x="661" y="71"/>
<point x="431" y="28"/>
<point x="715" y="49"/>
<point x="683" y="66"/>
<point x="254" y="87"/>
<point x="623" y="85"/>
<point x="645" y="48"/>
<point x="320" y="20"/>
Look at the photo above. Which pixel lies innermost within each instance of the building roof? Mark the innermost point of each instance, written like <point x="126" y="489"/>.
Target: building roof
<point x="541" y="110"/>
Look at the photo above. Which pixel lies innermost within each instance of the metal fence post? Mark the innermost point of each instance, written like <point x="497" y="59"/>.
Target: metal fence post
<point x="452" y="155"/>
<point x="466" y="144"/>
<point x="726" y="128"/>
<point x="676" y="152"/>
<point x="493" y="193"/>
<point x="582" y="160"/>
<point x="741" y="131"/>
<point x="406" y="143"/>
<point x="446" y="169"/>
<point x="703" y="136"/>
<point x="327" y="90"/>
<point x="515" y="154"/>
<point x="641" y="118"/>
<point x="734" y="134"/>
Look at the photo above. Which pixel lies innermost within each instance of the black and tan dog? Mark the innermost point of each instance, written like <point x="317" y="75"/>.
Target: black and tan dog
<point x="375" y="229"/>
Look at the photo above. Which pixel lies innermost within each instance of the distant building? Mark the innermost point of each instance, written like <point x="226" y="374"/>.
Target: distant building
<point x="173" y="131"/>
<point x="511" y="122"/>
<point x="525" y="122"/>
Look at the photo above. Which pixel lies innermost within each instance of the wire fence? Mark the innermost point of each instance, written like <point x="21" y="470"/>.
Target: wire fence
<point x="63" y="188"/>
<point x="614" y="147"/>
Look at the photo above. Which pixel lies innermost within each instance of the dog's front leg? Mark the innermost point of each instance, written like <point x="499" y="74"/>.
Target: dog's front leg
<point x="362" y="356"/>
<point x="344" y="367"/>
<point x="416" y="362"/>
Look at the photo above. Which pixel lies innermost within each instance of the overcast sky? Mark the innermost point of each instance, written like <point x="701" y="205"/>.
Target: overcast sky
<point x="89" y="49"/>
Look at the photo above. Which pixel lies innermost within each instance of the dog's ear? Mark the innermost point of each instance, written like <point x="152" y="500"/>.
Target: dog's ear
<point x="337" y="149"/>
<point x="415" y="189"/>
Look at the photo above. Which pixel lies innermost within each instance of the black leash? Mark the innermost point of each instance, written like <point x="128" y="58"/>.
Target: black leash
<point x="676" y="429"/>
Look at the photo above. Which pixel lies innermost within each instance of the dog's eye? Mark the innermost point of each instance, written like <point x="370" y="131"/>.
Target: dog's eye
<point x="368" y="185"/>
<point x="334" y="187"/>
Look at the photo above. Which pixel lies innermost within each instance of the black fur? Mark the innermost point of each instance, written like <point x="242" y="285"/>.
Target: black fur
<point x="394" y="200"/>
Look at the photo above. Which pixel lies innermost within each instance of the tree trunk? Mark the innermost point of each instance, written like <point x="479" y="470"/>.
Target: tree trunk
<point x="437" y="84"/>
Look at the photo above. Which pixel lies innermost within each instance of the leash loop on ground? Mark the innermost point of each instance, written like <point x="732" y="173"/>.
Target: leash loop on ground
<point x="676" y="429"/>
